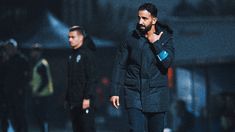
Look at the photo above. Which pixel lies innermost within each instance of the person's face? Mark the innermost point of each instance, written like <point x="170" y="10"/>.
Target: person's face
<point x="75" y="39"/>
<point x="146" y="20"/>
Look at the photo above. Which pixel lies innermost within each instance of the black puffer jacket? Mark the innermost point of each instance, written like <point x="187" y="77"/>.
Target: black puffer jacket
<point x="81" y="74"/>
<point x="141" y="73"/>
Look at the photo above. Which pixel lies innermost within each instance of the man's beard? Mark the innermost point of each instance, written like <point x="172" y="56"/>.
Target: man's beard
<point x="145" y="29"/>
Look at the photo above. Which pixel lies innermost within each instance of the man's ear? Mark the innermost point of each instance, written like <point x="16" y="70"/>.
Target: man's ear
<point x="154" y="20"/>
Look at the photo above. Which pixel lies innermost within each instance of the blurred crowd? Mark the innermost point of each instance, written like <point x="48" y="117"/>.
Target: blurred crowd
<point x="13" y="88"/>
<point x="217" y="116"/>
<point x="24" y="88"/>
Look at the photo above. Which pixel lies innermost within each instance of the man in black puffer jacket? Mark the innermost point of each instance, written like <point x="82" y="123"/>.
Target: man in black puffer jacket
<point x="81" y="80"/>
<point x="141" y="69"/>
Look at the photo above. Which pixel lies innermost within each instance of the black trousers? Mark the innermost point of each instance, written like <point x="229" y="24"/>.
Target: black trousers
<point x="145" y="122"/>
<point x="16" y="113"/>
<point x="83" y="120"/>
<point x="40" y="111"/>
<point x="3" y="121"/>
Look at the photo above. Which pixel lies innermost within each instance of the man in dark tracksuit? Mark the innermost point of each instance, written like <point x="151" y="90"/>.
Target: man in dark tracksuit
<point x="81" y="81"/>
<point x="141" y="68"/>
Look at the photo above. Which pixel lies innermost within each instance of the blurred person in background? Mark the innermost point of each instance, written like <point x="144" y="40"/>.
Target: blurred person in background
<point x="141" y="67"/>
<point x="3" y="97"/>
<point x="16" y="83"/>
<point x="41" y="87"/>
<point x="202" y="121"/>
<point x="185" y="119"/>
<point x="79" y="98"/>
<point x="227" y="118"/>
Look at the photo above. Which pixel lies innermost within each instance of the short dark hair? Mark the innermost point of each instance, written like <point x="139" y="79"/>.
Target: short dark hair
<point x="150" y="8"/>
<point x="78" y="29"/>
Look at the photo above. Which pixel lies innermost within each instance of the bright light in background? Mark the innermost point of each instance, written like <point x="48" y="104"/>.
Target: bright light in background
<point x="191" y="87"/>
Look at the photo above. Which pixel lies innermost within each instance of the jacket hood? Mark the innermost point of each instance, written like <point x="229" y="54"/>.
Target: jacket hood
<point x="88" y="44"/>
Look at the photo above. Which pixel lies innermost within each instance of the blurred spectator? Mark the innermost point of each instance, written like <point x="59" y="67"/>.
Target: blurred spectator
<point x="202" y="122"/>
<point x="15" y="83"/>
<point x="185" y="118"/>
<point x="228" y="122"/>
<point x="228" y="114"/>
<point x="215" y="108"/>
<point x="3" y="101"/>
<point x="41" y="86"/>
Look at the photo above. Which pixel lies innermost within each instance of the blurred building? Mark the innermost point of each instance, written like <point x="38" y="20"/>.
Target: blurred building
<point x="78" y="12"/>
<point x="204" y="63"/>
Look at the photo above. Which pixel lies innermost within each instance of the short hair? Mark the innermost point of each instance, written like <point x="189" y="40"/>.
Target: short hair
<point x="151" y="8"/>
<point x="78" y="29"/>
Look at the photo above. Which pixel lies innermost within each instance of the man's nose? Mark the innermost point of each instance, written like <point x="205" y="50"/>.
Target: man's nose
<point x="141" y="21"/>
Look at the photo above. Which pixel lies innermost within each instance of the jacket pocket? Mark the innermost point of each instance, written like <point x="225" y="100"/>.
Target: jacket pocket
<point x="130" y="83"/>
